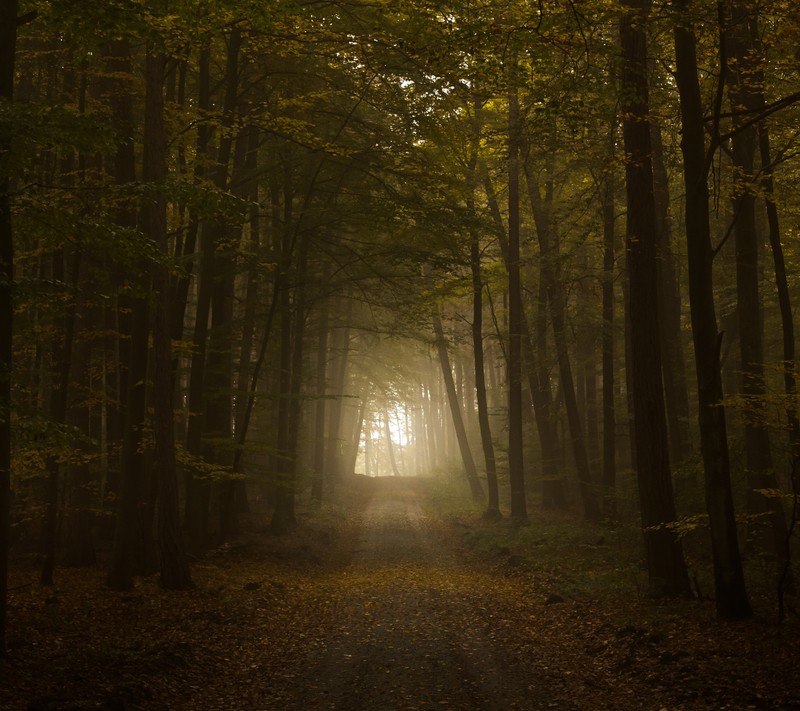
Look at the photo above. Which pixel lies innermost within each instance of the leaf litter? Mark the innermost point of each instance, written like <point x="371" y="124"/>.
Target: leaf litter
<point x="381" y="605"/>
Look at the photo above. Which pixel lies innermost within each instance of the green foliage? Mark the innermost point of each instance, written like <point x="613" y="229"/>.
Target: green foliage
<point x="202" y="469"/>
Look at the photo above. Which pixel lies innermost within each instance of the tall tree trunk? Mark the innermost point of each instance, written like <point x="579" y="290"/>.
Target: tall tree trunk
<point x="8" y="40"/>
<point x="493" y="502"/>
<point x="557" y="298"/>
<point x="516" y="470"/>
<point x="318" y="478"/>
<point x="175" y="573"/>
<point x="339" y="359"/>
<point x="198" y="490"/>
<point x="248" y="189"/>
<point x="133" y="548"/>
<point x="219" y="365"/>
<point x="769" y="532"/>
<point x="389" y="444"/>
<point x="609" y="415"/>
<point x="79" y="546"/>
<point x="676" y="397"/>
<point x="664" y="554"/>
<point x="786" y="581"/>
<point x="355" y="441"/>
<point x="59" y="387"/>
<point x="283" y="513"/>
<point x="553" y="495"/>
<point x="470" y="470"/>
<point x="731" y="595"/>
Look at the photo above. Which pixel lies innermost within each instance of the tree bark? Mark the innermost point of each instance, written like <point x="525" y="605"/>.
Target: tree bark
<point x="676" y="397"/>
<point x="470" y="470"/>
<point x="731" y="595"/>
<point x="389" y="444"/>
<point x="8" y="40"/>
<point x="664" y="554"/>
<point x="198" y="489"/>
<point x="318" y="478"/>
<point x="516" y="469"/>
<point x="769" y="528"/>
<point x="553" y="495"/>
<point x="609" y="414"/>
<point x="174" y="567"/>
<point x="493" y="502"/>
<point x="557" y="298"/>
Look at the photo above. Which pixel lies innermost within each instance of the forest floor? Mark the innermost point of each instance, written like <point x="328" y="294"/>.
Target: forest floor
<point x="386" y="605"/>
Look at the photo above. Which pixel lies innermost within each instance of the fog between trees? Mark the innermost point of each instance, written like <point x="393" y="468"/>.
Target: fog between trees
<point x="252" y="251"/>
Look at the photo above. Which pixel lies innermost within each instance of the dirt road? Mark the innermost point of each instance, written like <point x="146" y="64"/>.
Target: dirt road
<point x="378" y="608"/>
<point x="405" y="624"/>
<point x="413" y="630"/>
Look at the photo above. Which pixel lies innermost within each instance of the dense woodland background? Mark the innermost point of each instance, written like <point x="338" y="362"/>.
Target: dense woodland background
<point x="251" y="249"/>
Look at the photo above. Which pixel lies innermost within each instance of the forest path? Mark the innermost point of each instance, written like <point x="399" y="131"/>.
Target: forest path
<point x="375" y="604"/>
<point x="404" y="623"/>
<point x="413" y="629"/>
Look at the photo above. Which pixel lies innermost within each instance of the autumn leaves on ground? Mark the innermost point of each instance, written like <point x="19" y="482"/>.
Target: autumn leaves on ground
<point x="389" y="604"/>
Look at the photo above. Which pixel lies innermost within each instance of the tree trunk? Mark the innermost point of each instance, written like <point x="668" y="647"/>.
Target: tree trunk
<point x="676" y="397"/>
<point x="339" y="359"/>
<point x="786" y="581"/>
<point x="609" y="415"/>
<point x="8" y="39"/>
<point x="458" y="421"/>
<point x="516" y="470"/>
<point x="493" y="503"/>
<point x="557" y="298"/>
<point x="283" y="513"/>
<point x="79" y="546"/>
<point x="769" y="528"/>
<point x="318" y="478"/>
<point x="390" y="444"/>
<point x="553" y="495"/>
<point x="664" y="554"/>
<point x="59" y="387"/>
<point x="219" y="365"/>
<point x="198" y="490"/>
<point x="731" y="595"/>
<point x="175" y="573"/>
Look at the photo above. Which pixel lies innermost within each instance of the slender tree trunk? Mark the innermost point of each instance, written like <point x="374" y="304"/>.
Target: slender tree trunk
<point x="62" y="357"/>
<point x="8" y="40"/>
<point x="198" y="490"/>
<point x="731" y="595"/>
<point x="219" y="365"/>
<point x="355" y="443"/>
<point x="493" y="503"/>
<point x="786" y="581"/>
<point x="133" y="547"/>
<point x="553" y="495"/>
<point x="609" y="415"/>
<point x="458" y="421"/>
<point x="665" y="564"/>
<point x="339" y="360"/>
<point x="557" y="298"/>
<point x="516" y="470"/>
<point x="389" y="444"/>
<point x="283" y="513"/>
<point x="676" y="396"/>
<point x="319" y="407"/>
<point x="769" y="532"/>
<point x="175" y="573"/>
<point x="79" y="546"/>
